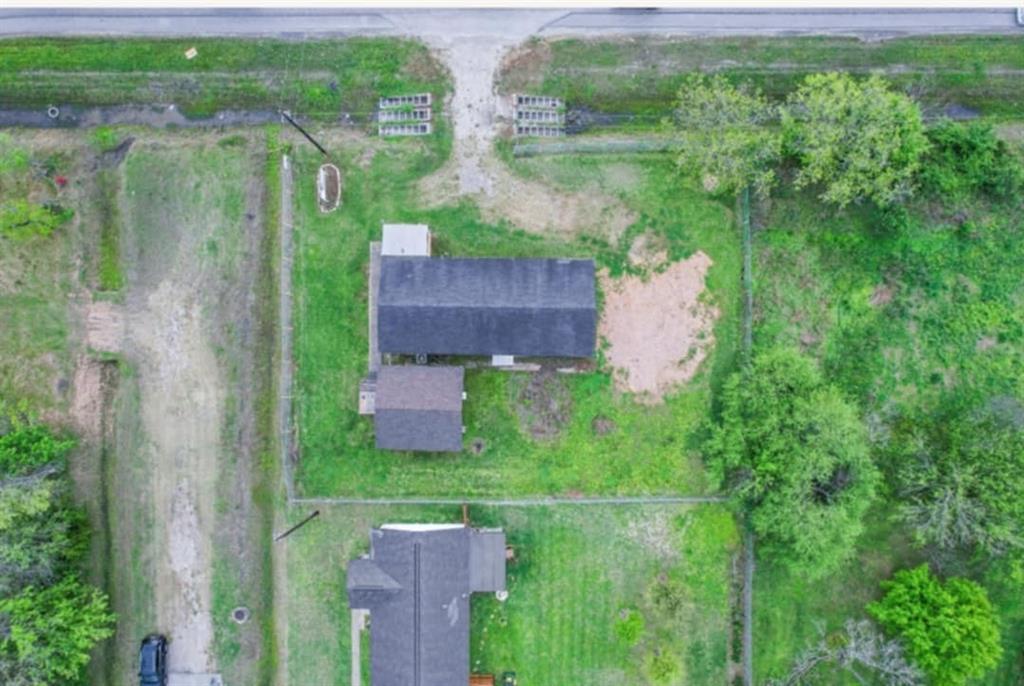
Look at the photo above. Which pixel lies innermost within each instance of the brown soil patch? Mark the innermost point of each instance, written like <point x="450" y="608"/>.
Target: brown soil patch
<point x="882" y="295"/>
<point x="648" y="251"/>
<point x="542" y="403"/>
<point x="87" y="399"/>
<point x="602" y="426"/>
<point x="986" y="343"/>
<point x="530" y="205"/>
<point x="104" y="326"/>
<point x="658" y="331"/>
<point x="523" y="67"/>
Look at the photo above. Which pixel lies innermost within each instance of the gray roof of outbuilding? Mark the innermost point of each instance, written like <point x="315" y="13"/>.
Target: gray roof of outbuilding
<point x="419" y="408"/>
<point x="487" y="306"/>
<point x="419" y="633"/>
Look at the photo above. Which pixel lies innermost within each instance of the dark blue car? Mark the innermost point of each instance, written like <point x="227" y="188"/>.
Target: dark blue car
<point x="153" y="661"/>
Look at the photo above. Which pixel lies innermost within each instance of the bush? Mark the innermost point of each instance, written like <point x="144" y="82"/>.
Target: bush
<point x="28" y="446"/>
<point x="103" y="138"/>
<point x="662" y="667"/>
<point x="949" y="630"/>
<point x="630" y="627"/>
<point x="968" y="158"/>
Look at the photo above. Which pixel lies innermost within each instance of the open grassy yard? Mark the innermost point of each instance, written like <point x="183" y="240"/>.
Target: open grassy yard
<point x="594" y="594"/>
<point x="651" y="449"/>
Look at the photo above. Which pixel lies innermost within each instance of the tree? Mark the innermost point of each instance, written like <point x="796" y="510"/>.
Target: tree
<point x="858" y="645"/>
<point x="49" y="619"/>
<point x="795" y="454"/>
<point x="723" y="133"/>
<point x="46" y="634"/>
<point x="961" y="478"/>
<point x="857" y="138"/>
<point x="949" y="630"/>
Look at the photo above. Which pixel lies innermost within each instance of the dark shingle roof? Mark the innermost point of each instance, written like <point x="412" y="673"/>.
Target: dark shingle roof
<point x="419" y="408"/>
<point x="419" y="633"/>
<point x="487" y="306"/>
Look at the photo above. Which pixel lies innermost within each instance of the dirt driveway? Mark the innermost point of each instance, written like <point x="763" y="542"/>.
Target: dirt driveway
<point x="474" y="169"/>
<point x="181" y="477"/>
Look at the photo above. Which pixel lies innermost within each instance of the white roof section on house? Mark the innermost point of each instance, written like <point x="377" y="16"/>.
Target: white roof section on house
<point x="422" y="527"/>
<point x="406" y="239"/>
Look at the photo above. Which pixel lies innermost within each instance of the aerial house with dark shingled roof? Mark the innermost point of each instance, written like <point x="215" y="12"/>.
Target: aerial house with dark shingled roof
<point x="487" y="306"/>
<point x="416" y="584"/>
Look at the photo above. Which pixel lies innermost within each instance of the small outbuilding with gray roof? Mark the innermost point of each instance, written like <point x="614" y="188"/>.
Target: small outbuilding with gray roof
<point x="419" y="408"/>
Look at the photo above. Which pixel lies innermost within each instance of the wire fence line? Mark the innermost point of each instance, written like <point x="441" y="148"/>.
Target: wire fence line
<point x="747" y="348"/>
<point x="285" y="323"/>
<point x="526" y="501"/>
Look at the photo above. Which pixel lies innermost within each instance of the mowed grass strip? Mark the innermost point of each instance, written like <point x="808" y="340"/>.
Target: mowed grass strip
<point x="642" y="76"/>
<point x="579" y="570"/>
<point x="318" y="79"/>
<point x="649" y="450"/>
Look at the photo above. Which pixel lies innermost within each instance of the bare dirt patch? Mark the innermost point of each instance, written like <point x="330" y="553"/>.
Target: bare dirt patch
<point x="104" y="326"/>
<point x="658" y="331"/>
<point x="542" y="403"/>
<point x="648" y="251"/>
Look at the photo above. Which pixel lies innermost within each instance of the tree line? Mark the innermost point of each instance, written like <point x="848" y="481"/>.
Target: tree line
<point x="50" y="618"/>
<point x="794" y="452"/>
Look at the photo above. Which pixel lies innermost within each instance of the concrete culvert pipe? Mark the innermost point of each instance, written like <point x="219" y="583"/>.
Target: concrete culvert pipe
<point x="240" y="615"/>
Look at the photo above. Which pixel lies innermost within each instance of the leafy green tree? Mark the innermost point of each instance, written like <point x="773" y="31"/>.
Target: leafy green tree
<point x="795" y="453"/>
<point x="859" y="139"/>
<point x="46" y="634"/>
<point x="49" y="620"/>
<point x="961" y="480"/>
<point x="724" y="134"/>
<point x="949" y="630"/>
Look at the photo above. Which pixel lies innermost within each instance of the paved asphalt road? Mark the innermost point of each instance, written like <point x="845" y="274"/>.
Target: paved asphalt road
<point x="449" y="24"/>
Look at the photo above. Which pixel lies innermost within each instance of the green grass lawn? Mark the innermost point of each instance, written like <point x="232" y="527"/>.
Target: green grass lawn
<point x="641" y="76"/>
<point x="318" y="79"/>
<point x="580" y="571"/>
<point x="652" y="449"/>
<point x="37" y="275"/>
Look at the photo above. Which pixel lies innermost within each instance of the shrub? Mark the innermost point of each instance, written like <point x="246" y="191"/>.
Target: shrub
<point x="103" y="138"/>
<point x="28" y="446"/>
<point x="968" y="158"/>
<point x="630" y="627"/>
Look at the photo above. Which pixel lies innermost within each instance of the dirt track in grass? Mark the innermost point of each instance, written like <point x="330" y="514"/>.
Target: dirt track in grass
<point x="474" y="170"/>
